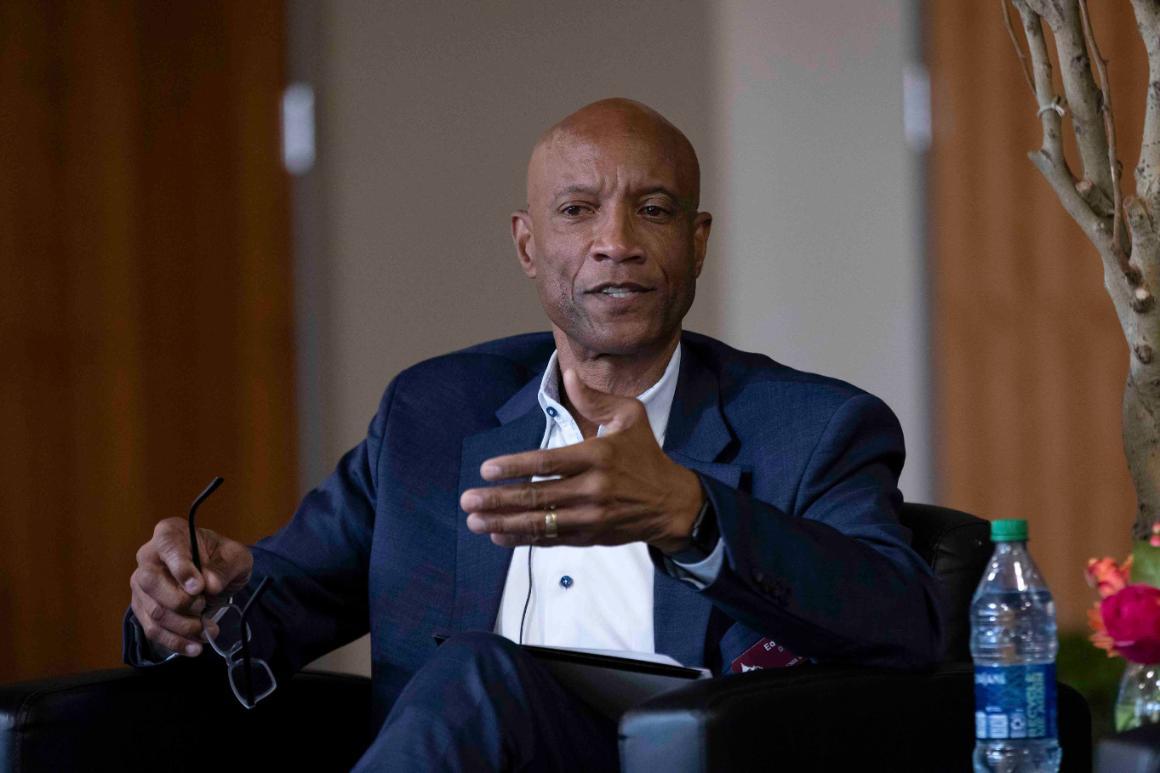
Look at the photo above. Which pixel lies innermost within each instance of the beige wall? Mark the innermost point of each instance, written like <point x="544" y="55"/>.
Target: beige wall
<point x="818" y="214"/>
<point x="428" y="109"/>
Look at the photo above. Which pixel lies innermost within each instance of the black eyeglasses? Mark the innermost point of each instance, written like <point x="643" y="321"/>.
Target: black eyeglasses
<point x="250" y="678"/>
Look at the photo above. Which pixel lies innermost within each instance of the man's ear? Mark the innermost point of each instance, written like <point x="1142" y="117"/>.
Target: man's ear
<point x="524" y="241"/>
<point x="702" y="224"/>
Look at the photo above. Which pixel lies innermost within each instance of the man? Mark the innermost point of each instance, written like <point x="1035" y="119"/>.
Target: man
<point x="770" y="513"/>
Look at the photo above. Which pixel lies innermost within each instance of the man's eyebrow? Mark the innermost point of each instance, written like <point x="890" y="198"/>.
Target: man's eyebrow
<point x="574" y="189"/>
<point x="660" y="189"/>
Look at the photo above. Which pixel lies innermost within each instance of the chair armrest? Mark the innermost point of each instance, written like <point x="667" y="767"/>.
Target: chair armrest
<point x="177" y="717"/>
<point x="825" y="718"/>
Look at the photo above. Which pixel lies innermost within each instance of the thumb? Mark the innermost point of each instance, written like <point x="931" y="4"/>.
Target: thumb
<point x="229" y="568"/>
<point x="614" y="412"/>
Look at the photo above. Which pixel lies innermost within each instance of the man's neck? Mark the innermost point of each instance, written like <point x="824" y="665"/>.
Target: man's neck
<point x="625" y="375"/>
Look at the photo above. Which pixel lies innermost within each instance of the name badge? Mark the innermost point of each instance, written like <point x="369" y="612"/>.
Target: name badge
<point x="765" y="654"/>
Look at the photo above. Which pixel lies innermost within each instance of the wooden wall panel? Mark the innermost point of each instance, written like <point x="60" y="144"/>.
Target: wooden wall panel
<point x="146" y="334"/>
<point x="1029" y="362"/>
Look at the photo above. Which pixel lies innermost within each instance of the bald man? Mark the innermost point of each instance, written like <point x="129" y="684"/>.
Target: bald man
<point x="616" y="483"/>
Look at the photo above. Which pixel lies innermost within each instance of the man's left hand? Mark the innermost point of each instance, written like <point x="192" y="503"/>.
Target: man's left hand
<point x="611" y="490"/>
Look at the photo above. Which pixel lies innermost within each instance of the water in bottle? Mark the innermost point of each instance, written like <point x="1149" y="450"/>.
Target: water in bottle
<point x="1013" y="644"/>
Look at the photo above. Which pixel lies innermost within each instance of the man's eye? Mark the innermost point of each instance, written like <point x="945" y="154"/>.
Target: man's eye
<point x="652" y="210"/>
<point x="573" y="210"/>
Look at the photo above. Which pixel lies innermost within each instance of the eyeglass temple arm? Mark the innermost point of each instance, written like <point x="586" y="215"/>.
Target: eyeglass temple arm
<point x="193" y="551"/>
<point x="246" y="665"/>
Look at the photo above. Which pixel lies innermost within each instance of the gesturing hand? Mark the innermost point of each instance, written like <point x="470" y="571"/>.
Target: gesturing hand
<point x="614" y="489"/>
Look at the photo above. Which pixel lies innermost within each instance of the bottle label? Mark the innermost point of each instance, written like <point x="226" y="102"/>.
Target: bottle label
<point x="1015" y="701"/>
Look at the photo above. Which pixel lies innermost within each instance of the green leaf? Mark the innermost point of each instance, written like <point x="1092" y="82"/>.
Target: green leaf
<point x="1145" y="564"/>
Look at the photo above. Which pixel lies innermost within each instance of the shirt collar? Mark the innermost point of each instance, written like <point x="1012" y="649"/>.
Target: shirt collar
<point x="657" y="399"/>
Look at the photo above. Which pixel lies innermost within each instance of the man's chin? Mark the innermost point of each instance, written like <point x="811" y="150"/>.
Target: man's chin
<point x="622" y="342"/>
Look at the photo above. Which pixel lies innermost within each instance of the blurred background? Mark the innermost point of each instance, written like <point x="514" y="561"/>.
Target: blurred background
<point x="225" y="226"/>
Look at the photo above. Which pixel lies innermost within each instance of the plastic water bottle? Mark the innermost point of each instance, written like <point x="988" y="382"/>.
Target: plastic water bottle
<point x="1013" y="644"/>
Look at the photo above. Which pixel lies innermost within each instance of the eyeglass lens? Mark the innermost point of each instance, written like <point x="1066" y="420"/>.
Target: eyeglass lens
<point x="252" y="684"/>
<point x="228" y="638"/>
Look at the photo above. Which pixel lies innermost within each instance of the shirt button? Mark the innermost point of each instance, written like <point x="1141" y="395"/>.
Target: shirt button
<point x="552" y="412"/>
<point x="565" y="582"/>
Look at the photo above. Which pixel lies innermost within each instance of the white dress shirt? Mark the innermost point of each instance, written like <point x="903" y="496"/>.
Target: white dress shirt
<point x="598" y="597"/>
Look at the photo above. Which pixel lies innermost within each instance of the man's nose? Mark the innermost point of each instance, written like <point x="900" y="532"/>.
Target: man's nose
<point x="616" y="237"/>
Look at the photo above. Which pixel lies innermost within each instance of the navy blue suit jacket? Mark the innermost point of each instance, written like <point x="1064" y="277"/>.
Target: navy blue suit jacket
<point x="801" y="469"/>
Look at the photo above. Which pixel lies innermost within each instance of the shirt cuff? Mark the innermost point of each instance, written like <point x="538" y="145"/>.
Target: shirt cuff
<point x="700" y="574"/>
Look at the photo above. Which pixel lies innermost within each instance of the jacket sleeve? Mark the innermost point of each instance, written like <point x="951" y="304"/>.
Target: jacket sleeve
<point x="835" y="579"/>
<point x="317" y="564"/>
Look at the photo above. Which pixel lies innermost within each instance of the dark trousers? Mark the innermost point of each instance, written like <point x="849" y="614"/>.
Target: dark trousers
<point x="482" y="703"/>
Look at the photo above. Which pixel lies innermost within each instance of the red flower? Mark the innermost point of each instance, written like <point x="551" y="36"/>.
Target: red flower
<point x="1132" y="620"/>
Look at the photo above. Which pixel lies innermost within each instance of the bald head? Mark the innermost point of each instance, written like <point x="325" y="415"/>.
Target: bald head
<point x="614" y="123"/>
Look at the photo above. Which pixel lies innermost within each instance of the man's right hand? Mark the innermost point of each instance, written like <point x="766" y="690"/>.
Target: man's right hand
<point x="169" y="593"/>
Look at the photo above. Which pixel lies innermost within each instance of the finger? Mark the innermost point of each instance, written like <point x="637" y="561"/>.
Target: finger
<point x="172" y="543"/>
<point x="519" y="525"/>
<point x="158" y="583"/>
<point x="517" y="497"/>
<point x="187" y="626"/>
<point x="566" y="461"/>
<point x="163" y="636"/>
<point x="573" y="527"/>
<point x="519" y="540"/>
<point x="228" y="568"/>
<point x="613" y="411"/>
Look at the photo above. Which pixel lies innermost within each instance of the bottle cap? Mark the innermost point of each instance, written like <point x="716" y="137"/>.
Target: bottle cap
<point x="1009" y="530"/>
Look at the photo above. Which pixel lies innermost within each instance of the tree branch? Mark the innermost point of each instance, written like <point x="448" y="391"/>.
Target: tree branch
<point x="1023" y="63"/>
<point x="1148" y="170"/>
<point x="1049" y="159"/>
<point x="1083" y="98"/>
<point x="1145" y="250"/>
<point x="1049" y="109"/>
<point x="1119" y="247"/>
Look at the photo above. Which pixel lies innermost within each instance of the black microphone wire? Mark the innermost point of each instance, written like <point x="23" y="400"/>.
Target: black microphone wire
<point x="528" y="598"/>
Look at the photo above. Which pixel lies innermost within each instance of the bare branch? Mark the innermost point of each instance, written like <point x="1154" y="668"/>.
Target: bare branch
<point x="1023" y="63"/>
<point x="1095" y="198"/>
<point x="1044" y="89"/>
<point x="1118" y="236"/>
<point x="1148" y="170"/>
<point x="1145" y="248"/>
<point x="1095" y="227"/>
<point x="1083" y="98"/>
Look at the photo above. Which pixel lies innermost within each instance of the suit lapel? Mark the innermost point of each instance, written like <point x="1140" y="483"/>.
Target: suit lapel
<point x="696" y="436"/>
<point x="481" y="566"/>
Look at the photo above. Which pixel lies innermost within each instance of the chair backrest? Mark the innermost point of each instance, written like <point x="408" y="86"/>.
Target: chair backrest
<point x="957" y="546"/>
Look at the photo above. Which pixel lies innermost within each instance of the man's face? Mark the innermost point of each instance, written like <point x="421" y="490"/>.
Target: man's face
<point x="612" y="238"/>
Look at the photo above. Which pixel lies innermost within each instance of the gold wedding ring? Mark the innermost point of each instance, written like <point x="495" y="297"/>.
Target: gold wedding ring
<point x="550" y="531"/>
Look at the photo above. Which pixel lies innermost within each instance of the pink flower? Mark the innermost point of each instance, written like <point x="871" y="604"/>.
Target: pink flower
<point x="1154" y="540"/>
<point x="1106" y="576"/>
<point x="1131" y="618"/>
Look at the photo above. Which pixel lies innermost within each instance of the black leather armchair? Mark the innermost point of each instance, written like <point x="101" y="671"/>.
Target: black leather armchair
<point x="808" y="718"/>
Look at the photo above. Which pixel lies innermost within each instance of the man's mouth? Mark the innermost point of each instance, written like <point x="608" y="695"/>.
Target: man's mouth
<point x="619" y="289"/>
